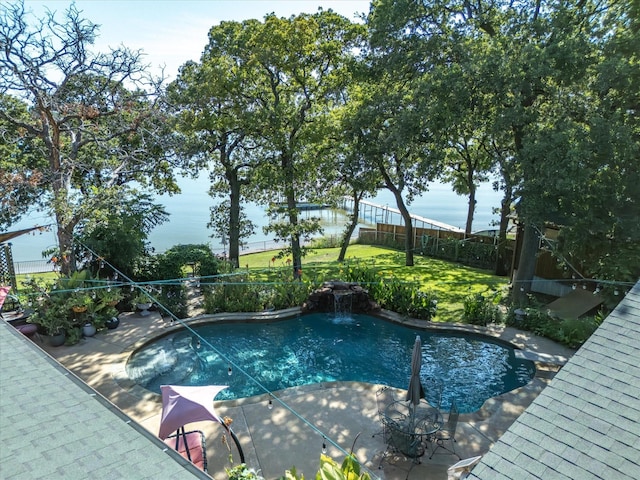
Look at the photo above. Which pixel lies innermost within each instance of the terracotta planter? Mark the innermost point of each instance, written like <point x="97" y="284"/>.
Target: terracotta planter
<point x="79" y="308"/>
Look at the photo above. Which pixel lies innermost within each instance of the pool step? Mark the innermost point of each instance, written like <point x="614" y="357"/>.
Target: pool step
<point x="541" y="357"/>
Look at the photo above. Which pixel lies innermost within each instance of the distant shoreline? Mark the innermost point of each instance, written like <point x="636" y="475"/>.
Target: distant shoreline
<point x="190" y="213"/>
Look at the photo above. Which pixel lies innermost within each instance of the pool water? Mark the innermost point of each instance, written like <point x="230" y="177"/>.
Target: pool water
<point x="319" y="348"/>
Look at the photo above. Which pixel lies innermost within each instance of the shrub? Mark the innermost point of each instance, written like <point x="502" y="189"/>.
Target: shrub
<point x="570" y="332"/>
<point x="424" y="305"/>
<point x="233" y="294"/>
<point x="478" y="310"/>
<point x="574" y="332"/>
<point x="239" y="294"/>
<point x="173" y="298"/>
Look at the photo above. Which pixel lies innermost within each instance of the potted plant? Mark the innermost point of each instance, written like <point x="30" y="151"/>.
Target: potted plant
<point x="52" y="317"/>
<point x="142" y="303"/>
<point x="80" y="302"/>
<point x="105" y="315"/>
<point x="112" y="322"/>
<point x="89" y="329"/>
<point x="109" y="297"/>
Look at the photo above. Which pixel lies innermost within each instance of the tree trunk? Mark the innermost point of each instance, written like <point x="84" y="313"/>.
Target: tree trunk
<point x="526" y="264"/>
<point x="67" y="258"/>
<point x="501" y="256"/>
<point x="290" y="196"/>
<point x="408" y="226"/>
<point x="234" y="222"/>
<point x="351" y="227"/>
<point x="471" y="209"/>
<point x="296" y="251"/>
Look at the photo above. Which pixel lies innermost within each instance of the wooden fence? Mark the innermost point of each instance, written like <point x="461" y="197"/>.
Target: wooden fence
<point x="474" y="250"/>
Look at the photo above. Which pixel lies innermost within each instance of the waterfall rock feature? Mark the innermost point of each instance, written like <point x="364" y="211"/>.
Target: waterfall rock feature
<point x="336" y="296"/>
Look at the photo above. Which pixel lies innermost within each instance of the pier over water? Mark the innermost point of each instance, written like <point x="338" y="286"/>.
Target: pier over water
<point x="373" y="213"/>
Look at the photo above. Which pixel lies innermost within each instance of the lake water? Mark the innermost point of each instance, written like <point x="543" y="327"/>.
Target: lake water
<point x="190" y="215"/>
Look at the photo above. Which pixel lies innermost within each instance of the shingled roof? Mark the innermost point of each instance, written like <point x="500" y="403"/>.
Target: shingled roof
<point x="586" y="423"/>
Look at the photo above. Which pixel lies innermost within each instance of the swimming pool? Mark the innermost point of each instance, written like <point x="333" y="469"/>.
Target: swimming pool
<point x="318" y="348"/>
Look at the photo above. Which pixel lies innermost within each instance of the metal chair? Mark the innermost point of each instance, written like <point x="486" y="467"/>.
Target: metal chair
<point x="384" y="397"/>
<point x="433" y="389"/>
<point x="447" y="433"/>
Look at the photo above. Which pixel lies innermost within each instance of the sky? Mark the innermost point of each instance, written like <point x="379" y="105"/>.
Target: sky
<point x="172" y="32"/>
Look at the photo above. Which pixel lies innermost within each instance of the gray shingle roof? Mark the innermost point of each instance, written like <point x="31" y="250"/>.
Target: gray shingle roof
<point x="54" y="426"/>
<point x="586" y="423"/>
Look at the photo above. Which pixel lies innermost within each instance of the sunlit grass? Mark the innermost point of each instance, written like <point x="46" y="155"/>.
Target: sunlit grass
<point x="450" y="281"/>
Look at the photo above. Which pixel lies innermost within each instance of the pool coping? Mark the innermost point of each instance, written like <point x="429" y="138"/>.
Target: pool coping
<point x="546" y="364"/>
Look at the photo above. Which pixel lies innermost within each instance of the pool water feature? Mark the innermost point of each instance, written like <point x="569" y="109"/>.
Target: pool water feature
<point x="318" y="348"/>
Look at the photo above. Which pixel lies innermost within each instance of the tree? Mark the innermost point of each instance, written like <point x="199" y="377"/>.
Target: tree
<point x="602" y="232"/>
<point x="401" y="123"/>
<point x="119" y="236"/>
<point x="95" y="117"/>
<point x="469" y="157"/>
<point x="350" y="174"/>
<point x="21" y="166"/>
<point x="212" y="112"/>
<point x="300" y="67"/>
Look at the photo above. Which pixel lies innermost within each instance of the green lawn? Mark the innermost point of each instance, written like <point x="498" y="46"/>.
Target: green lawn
<point x="449" y="281"/>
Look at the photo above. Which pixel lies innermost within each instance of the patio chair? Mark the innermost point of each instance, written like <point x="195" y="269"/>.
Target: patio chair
<point x="447" y="434"/>
<point x="191" y="445"/>
<point x="384" y="398"/>
<point x="4" y="294"/>
<point x="10" y="307"/>
<point x="434" y="388"/>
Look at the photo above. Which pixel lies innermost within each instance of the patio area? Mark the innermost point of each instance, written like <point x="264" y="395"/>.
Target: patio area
<point x="277" y="439"/>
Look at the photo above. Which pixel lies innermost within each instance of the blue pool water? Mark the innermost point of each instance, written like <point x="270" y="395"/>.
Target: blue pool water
<point x="318" y="348"/>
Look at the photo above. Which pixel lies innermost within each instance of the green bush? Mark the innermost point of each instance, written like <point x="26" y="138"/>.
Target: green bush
<point x="237" y="293"/>
<point x="424" y="305"/>
<point x="570" y="332"/>
<point x="574" y="332"/>
<point x="402" y="297"/>
<point x="478" y="310"/>
<point x="234" y="294"/>
<point x="173" y="298"/>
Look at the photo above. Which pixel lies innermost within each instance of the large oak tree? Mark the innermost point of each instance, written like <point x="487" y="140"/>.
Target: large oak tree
<point x="95" y="117"/>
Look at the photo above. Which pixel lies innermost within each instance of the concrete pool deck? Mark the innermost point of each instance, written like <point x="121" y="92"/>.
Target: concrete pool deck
<point x="277" y="439"/>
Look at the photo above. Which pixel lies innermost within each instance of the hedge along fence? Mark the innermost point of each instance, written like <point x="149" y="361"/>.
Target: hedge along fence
<point x="475" y="250"/>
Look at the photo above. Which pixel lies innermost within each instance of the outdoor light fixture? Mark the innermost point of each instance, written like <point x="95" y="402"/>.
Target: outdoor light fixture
<point x="270" y="405"/>
<point x="324" y="445"/>
<point x="230" y="371"/>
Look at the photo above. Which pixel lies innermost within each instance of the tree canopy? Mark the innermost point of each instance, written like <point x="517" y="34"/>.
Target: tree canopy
<point x="540" y="96"/>
<point x="92" y="122"/>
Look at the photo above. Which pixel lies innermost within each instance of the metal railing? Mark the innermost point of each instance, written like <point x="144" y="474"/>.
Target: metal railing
<point x="33" y="266"/>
